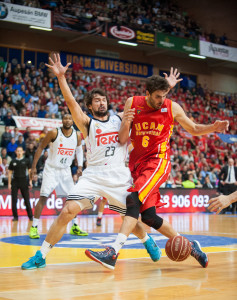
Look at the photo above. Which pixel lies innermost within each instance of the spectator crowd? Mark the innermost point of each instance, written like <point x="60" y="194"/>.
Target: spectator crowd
<point x="162" y="16"/>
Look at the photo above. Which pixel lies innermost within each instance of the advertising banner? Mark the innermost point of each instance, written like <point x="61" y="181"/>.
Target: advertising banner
<point x="178" y="44"/>
<point x="108" y="65"/>
<point x="185" y="200"/>
<point x="79" y="24"/>
<point x="175" y="200"/>
<point x="218" y="51"/>
<point x="228" y="138"/>
<point x="36" y="123"/>
<point x="130" y="34"/>
<point x="25" y="15"/>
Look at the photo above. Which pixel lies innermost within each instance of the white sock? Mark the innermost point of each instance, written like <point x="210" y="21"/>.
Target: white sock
<point x="145" y="238"/>
<point x="35" y="222"/>
<point x="100" y="214"/>
<point x="120" y="241"/>
<point x="45" y="248"/>
<point x="74" y="221"/>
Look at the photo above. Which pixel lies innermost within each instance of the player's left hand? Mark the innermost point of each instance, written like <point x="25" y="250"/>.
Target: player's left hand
<point x="128" y="116"/>
<point x="173" y="77"/>
<point x="221" y="126"/>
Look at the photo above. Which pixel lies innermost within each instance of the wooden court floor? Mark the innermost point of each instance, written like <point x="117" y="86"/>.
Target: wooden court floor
<point x="69" y="274"/>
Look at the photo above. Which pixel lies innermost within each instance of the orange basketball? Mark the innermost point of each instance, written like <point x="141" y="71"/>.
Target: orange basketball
<point x="178" y="248"/>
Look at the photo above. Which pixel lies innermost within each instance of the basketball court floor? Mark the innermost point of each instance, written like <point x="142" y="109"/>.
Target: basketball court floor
<point x="69" y="274"/>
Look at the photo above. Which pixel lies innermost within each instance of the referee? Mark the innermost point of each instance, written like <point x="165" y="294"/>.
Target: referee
<point x="17" y="179"/>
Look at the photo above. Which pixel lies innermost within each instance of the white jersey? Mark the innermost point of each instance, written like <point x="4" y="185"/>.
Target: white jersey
<point x="62" y="150"/>
<point x="102" y="143"/>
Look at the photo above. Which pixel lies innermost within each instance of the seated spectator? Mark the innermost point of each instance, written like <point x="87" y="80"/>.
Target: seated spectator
<point x="43" y="134"/>
<point x="178" y="180"/>
<point x="189" y="183"/>
<point x="6" y="137"/>
<point x="53" y="106"/>
<point x="15" y="133"/>
<point x="35" y="181"/>
<point x="207" y="183"/>
<point x="16" y="97"/>
<point x="11" y="148"/>
<point x="113" y="111"/>
<point x="26" y="133"/>
<point x="42" y="112"/>
<point x="21" y="143"/>
<point x="4" y="172"/>
<point x="8" y="120"/>
<point x="4" y="155"/>
<point x="30" y="152"/>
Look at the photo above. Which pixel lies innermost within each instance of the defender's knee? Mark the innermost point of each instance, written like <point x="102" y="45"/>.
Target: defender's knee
<point x="150" y="218"/>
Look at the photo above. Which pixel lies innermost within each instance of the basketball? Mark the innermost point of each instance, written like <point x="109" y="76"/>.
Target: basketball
<point x="178" y="248"/>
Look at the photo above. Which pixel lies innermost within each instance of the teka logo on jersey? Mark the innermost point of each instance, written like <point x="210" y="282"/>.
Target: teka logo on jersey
<point x="107" y="138"/>
<point x="65" y="151"/>
<point x="122" y="32"/>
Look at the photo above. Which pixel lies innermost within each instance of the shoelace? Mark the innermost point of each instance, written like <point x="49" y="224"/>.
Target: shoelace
<point x="107" y="251"/>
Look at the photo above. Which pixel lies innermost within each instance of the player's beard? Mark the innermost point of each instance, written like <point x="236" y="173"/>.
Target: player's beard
<point x="100" y="113"/>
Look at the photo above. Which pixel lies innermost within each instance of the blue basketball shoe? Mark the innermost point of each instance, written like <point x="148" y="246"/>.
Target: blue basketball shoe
<point x="107" y="258"/>
<point x="34" y="262"/>
<point x="198" y="254"/>
<point x="152" y="249"/>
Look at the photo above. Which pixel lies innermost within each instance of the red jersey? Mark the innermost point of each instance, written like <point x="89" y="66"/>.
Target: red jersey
<point x="151" y="131"/>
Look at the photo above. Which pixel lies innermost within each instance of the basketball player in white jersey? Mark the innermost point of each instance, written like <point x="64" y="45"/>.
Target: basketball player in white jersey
<point x="64" y="142"/>
<point x="106" y="174"/>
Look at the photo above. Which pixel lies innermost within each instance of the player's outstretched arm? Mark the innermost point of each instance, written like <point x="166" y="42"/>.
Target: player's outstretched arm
<point x="220" y="202"/>
<point x="80" y="119"/>
<point x="128" y="116"/>
<point x="50" y="136"/>
<point x="193" y="128"/>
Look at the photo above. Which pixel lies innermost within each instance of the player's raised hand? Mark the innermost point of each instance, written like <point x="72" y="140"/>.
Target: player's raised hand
<point x="221" y="126"/>
<point x="173" y="78"/>
<point x="56" y="66"/>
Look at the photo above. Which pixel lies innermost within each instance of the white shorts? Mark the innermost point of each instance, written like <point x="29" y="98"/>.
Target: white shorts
<point x="57" y="179"/>
<point x="110" y="182"/>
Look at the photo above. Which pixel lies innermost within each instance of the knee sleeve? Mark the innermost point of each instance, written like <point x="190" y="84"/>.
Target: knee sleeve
<point x="150" y="218"/>
<point x="133" y="205"/>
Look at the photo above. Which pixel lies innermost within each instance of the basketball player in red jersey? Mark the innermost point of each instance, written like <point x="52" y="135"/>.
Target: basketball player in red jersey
<point x="151" y="120"/>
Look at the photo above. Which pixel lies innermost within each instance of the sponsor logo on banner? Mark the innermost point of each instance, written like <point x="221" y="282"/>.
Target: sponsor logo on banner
<point x="177" y="43"/>
<point x="25" y="15"/>
<point x="113" y="66"/>
<point x="36" y="123"/>
<point x="145" y="37"/>
<point x="218" y="51"/>
<point x="122" y="32"/>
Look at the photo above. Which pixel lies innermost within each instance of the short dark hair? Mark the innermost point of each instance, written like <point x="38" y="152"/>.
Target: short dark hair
<point x="156" y="83"/>
<point x="90" y="95"/>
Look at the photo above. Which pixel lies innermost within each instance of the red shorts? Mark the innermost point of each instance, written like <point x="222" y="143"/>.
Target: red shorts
<point x="147" y="178"/>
